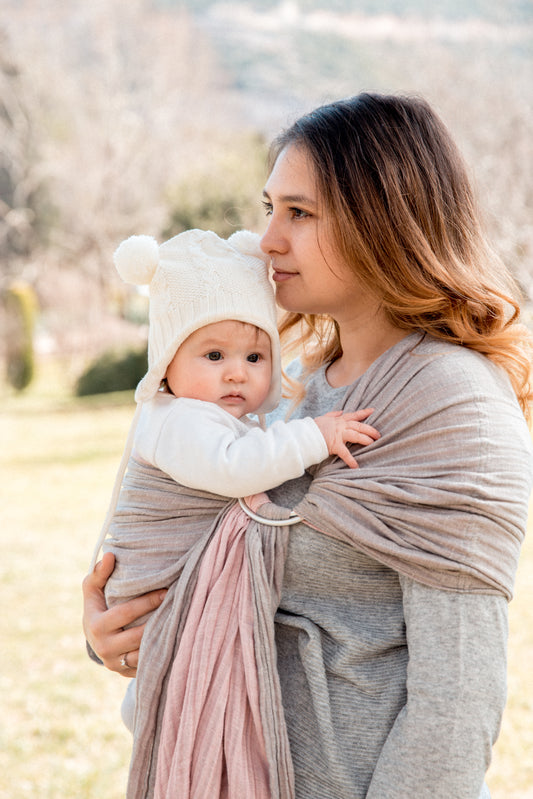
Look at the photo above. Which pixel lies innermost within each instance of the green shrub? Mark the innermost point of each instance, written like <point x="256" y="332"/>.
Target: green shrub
<point x="21" y="309"/>
<point x="113" y="371"/>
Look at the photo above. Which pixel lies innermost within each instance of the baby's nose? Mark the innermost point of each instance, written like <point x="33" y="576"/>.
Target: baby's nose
<point x="236" y="372"/>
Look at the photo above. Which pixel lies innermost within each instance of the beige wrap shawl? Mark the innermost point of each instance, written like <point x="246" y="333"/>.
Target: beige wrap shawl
<point x="441" y="497"/>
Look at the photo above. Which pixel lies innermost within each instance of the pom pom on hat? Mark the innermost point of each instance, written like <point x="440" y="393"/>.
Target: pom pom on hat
<point x="136" y="259"/>
<point x="247" y="243"/>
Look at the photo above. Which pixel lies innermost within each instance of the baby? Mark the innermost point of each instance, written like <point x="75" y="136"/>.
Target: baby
<point x="214" y="358"/>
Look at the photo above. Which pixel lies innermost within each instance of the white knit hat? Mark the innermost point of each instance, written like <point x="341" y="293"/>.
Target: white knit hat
<point x="197" y="278"/>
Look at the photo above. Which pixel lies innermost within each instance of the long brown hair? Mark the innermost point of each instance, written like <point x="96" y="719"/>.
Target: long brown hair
<point x="404" y="215"/>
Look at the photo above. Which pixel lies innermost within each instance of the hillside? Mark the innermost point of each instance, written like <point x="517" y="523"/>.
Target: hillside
<point x="518" y="11"/>
<point x="290" y="57"/>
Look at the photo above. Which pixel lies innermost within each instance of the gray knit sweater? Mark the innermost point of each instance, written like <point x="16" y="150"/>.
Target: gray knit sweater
<point x="391" y="689"/>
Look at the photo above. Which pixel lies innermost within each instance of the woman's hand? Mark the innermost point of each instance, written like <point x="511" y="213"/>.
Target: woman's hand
<point x="104" y="628"/>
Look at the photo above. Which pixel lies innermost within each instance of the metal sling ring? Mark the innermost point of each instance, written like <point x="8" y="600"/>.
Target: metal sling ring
<point x="293" y="518"/>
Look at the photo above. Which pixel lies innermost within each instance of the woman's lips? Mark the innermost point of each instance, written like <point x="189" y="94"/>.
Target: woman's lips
<point x="279" y="277"/>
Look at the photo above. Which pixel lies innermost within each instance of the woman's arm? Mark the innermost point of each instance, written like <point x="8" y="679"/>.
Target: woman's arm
<point x="440" y="745"/>
<point x="104" y="628"/>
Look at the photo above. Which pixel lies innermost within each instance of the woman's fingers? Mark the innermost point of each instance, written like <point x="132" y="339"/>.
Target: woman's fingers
<point x="129" y="642"/>
<point x="94" y="583"/>
<point x="117" y="647"/>
<point x="129" y="612"/>
<point x="94" y="604"/>
<point x="109" y="639"/>
<point x="132" y="660"/>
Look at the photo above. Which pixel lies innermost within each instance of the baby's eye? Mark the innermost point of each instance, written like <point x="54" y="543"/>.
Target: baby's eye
<point x="215" y="355"/>
<point x="254" y="357"/>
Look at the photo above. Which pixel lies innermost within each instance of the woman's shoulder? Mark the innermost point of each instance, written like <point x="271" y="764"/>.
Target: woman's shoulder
<point x="460" y="383"/>
<point x="448" y="363"/>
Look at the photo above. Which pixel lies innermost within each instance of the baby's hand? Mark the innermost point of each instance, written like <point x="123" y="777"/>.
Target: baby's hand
<point x="339" y="428"/>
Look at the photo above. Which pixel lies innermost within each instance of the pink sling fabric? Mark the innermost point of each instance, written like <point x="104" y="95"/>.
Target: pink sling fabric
<point x="211" y="741"/>
<point x="230" y="738"/>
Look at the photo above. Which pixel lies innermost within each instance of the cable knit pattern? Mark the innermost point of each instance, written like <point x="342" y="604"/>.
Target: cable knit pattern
<point x="197" y="279"/>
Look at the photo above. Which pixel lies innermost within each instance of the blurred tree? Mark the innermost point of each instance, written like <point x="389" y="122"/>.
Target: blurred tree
<point x="120" y="118"/>
<point x="223" y="193"/>
<point x="120" y="100"/>
<point x="116" y="102"/>
<point x="24" y="204"/>
<point x="20" y="304"/>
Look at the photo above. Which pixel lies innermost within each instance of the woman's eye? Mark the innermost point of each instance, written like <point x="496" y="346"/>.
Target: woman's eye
<point x="298" y="213"/>
<point x="214" y="356"/>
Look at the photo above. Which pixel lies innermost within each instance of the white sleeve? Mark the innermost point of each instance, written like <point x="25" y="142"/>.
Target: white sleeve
<point x="203" y="447"/>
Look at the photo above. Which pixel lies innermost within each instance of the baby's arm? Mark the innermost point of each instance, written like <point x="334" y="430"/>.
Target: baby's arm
<point x="340" y="428"/>
<point x="202" y="447"/>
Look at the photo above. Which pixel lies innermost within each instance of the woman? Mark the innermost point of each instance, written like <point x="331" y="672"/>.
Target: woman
<point x="391" y="629"/>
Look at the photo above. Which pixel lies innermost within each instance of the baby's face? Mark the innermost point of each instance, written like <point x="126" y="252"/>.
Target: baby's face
<point x="228" y="363"/>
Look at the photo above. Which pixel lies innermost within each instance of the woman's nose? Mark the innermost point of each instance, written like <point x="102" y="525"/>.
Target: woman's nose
<point x="272" y="240"/>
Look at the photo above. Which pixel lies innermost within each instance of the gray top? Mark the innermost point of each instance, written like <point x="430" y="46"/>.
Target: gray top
<point x="391" y="689"/>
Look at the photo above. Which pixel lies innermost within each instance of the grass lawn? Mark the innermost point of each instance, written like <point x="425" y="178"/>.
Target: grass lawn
<point x="61" y="736"/>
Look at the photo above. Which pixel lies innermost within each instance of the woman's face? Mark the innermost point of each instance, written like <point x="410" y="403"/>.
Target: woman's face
<point x="309" y="274"/>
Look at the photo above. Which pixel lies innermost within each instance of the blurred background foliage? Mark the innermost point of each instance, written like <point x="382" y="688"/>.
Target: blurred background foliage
<point x="154" y="116"/>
